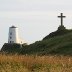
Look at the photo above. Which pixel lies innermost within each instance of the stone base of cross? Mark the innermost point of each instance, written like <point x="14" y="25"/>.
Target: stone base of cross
<point x="61" y="27"/>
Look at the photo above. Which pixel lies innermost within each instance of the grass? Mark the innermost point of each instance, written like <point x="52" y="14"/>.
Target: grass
<point x="60" y="45"/>
<point x="30" y="63"/>
<point x="57" y="45"/>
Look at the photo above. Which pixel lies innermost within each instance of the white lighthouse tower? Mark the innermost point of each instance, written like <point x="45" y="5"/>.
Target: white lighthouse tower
<point x="13" y="35"/>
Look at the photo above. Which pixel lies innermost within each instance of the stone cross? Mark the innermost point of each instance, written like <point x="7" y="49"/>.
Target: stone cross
<point x="61" y="18"/>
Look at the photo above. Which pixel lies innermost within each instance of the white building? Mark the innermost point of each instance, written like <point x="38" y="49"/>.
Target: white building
<point x="14" y="36"/>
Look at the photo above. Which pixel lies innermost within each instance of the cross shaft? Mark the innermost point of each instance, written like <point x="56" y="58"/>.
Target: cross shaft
<point x="61" y="18"/>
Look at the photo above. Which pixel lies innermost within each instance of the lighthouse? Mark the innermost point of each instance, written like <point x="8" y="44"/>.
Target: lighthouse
<point x="14" y="41"/>
<point x="13" y="36"/>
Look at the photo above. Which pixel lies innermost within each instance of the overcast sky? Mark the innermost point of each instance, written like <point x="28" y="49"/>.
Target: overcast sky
<point x="34" y="18"/>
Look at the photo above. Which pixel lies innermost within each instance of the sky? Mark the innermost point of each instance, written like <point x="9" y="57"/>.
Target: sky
<point x="34" y="18"/>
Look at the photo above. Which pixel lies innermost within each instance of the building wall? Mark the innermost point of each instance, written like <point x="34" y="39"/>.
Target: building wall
<point x="13" y="35"/>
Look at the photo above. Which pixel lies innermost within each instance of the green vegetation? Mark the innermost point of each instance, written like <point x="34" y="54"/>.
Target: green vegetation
<point x="11" y="48"/>
<point x="56" y="43"/>
<point x="52" y="54"/>
<point x="61" y="31"/>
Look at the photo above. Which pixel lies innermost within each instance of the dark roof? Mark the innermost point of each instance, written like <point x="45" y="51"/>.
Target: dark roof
<point x="13" y="27"/>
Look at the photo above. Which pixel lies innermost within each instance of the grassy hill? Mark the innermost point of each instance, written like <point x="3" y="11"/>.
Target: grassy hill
<point x="59" y="32"/>
<point x="56" y="43"/>
<point x="11" y="48"/>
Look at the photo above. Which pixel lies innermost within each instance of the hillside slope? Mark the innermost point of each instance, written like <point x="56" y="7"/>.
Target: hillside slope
<point x="59" y="32"/>
<point x="55" y="45"/>
<point x="60" y="44"/>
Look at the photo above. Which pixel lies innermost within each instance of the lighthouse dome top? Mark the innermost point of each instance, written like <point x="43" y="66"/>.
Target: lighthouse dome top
<point x="13" y="27"/>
